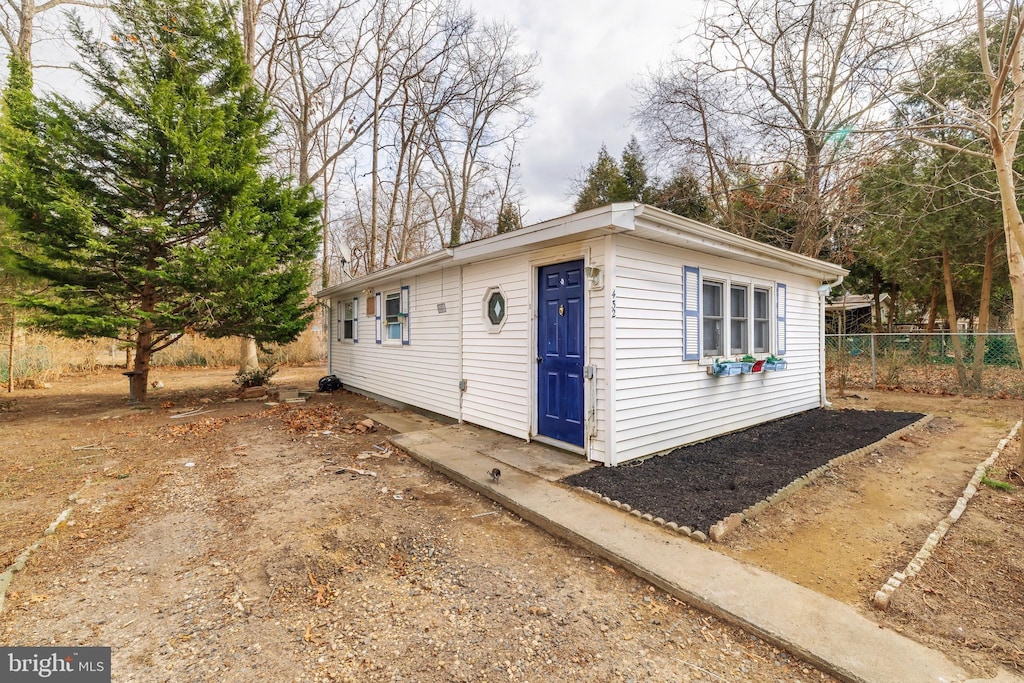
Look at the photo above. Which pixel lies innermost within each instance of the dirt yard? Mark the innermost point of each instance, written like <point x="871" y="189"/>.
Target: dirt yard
<point x="227" y="547"/>
<point x="244" y="544"/>
<point x="849" y="531"/>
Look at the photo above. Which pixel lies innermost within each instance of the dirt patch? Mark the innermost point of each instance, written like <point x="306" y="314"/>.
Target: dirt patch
<point x="968" y="596"/>
<point x="699" y="485"/>
<point x="261" y="562"/>
<point x="848" y="532"/>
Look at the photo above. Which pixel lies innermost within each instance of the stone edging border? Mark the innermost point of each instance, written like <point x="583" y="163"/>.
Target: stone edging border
<point x="646" y="516"/>
<point x="726" y="526"/>
<point x="884" y="594"/>
<point x="19" y="562"/>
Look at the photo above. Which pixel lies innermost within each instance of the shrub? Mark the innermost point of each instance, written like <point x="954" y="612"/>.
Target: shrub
<point x="257" y="377"/>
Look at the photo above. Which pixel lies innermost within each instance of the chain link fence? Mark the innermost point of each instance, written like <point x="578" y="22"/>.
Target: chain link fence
<point x="990" y="363"/>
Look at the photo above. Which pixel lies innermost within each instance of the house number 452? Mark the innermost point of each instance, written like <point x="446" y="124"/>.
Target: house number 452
<point x="613" y="303"/>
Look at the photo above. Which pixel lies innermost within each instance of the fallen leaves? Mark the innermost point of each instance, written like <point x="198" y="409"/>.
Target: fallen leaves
<point x="200" y="428"/>
<point x="324" y="418"/>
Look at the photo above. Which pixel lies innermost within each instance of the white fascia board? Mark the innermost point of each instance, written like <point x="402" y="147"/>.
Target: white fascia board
<point x="662" y="226"/>
<point x="603" y="221"/>
<point x="416" y="267"/>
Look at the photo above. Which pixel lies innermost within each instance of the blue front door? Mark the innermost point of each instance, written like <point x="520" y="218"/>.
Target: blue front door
<point x="560" y="352"/>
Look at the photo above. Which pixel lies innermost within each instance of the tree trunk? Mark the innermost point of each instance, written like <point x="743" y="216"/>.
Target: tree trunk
<point x="1013" y="228"/>
<point x="250" y="10"/>
<point x="929" y="327"/>
<point x="10" y="352"/>
<point x="28" y="20"/>
<point x="980" y="338"/>
<point x="954" y="338"/>
<point x="247" y="359"/>
<point x="143" y="355"/>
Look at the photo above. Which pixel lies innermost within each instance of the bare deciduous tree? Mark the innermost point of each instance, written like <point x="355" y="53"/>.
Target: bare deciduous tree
<point x="490" y="88"/>
<point x="791" y="83"/>
<point x="992" y="130"/>
<point x="18" y="21"/>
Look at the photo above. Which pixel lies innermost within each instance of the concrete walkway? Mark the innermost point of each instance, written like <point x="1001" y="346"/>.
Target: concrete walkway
<point x="830" y="634"/>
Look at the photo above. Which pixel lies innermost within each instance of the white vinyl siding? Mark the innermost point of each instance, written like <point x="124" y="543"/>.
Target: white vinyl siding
<point x="662" y="402"/>
<point x="424" y="372"/>
<point x="500" y="367"/>
<point x="496" y="366"/>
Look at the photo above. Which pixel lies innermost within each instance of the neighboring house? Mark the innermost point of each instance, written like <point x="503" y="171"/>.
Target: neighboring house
<point x="595" y="332"/>
<point x="855" y="313"/>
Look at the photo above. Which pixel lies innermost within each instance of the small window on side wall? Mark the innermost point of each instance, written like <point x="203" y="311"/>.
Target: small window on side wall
<point x="393" y="321"/>
<point x="392" y="316"/>
<point x="348" y="322"/>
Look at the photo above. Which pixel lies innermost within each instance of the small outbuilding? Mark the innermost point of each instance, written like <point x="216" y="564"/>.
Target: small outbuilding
<point x="615" y="333"/>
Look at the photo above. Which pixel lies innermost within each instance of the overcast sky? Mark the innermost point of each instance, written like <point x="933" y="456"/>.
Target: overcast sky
<point x="592" y="54"/>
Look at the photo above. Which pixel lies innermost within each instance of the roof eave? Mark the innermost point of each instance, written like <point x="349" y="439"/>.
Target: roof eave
<point x="670" y="228"/>
<point x="609" y="219"/>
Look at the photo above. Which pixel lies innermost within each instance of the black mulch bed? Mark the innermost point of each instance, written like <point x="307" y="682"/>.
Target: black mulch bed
<point x="699" y="485"/>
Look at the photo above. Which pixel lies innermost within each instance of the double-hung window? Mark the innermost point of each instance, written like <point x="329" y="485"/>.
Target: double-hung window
<point x="762" y="331"/>
<point x="712" y="320"/>
<point x="735" y="315"/>
<point x="348" y="320"/>
<point x="392" y="316"/>
<point x="738" y="341"/>
<point x="348" y="323"/>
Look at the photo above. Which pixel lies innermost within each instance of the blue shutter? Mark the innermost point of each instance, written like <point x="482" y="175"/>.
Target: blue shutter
<point x="691" y="313"/>
<point x="376" y="315"/>
<point x="780" y="320"/>
<point x="355" y="321"/>
<point x="404" y="306"/>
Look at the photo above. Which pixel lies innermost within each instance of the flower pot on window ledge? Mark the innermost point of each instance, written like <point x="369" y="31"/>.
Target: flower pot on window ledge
<point x="772" y="363"/>
<point x="725" y="368"/>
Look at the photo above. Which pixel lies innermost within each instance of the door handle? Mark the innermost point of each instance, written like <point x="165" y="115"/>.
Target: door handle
<point x="540" y="359"/>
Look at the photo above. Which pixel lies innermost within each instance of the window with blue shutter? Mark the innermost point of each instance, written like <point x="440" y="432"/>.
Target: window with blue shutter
<point x="691" y="313"/>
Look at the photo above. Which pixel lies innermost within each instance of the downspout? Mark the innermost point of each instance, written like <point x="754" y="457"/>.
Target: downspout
<point x="462" y="323"/>
<point x="328" y="309"/>
<point x="822" y="291"/>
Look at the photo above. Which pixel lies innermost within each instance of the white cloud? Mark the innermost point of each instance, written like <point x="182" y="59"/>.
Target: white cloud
<point x="592" y="53"/>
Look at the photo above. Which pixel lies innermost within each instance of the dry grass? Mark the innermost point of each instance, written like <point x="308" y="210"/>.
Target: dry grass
<point x="45" y="357"/>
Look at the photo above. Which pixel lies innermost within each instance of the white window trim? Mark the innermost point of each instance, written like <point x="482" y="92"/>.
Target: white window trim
<point x="404" y="306"/>
<point x="488" y="325"/>
<point x="345" y="303"/>
<point x="385" y="337"/>
<point x="727" y="280"/>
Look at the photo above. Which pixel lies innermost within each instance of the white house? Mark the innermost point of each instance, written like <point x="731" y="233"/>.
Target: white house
<point x="596" y="332"/>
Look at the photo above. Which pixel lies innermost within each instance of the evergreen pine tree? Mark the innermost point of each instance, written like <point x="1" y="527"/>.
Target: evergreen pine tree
<point x="602" y="185"/>
<point x="146" y="207"/>
<point x="635" y="186"/>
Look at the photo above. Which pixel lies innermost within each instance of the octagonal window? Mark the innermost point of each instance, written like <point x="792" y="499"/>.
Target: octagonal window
<point x="495" y="309"/>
